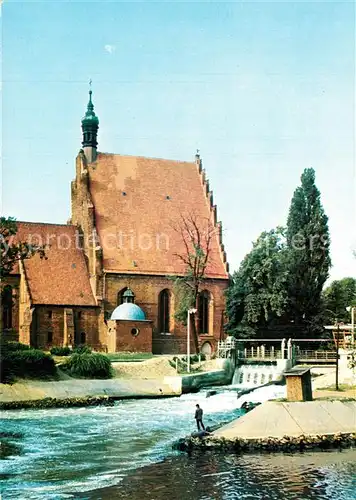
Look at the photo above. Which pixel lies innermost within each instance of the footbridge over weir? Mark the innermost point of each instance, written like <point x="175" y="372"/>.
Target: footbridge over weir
<point x="263" y="350"/>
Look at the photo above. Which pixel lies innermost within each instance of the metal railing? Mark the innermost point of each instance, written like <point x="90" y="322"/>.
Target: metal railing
<point x="311" y="355"/>
<point x="260" y="353"/>
<point x="263" y="352"/>
<point x="225" y="347"/>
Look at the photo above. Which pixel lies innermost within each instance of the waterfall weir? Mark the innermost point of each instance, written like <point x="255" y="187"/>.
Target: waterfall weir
<point x="255" y="375"/>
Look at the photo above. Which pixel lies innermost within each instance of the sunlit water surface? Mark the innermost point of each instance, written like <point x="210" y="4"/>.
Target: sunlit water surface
<point x="125" y="452"/>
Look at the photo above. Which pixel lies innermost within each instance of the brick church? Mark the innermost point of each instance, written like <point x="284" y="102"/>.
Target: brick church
<point x="107" y="277"/>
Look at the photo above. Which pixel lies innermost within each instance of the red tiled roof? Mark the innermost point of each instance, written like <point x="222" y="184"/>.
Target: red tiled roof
<point x="139" y="203"/>
<point x="62" y="277"/>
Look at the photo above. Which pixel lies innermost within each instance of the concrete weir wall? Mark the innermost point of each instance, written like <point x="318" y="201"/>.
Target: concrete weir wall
<point x="26" y="390"/>
<point x="114" y="388"/>
<point x="195" y="381"/>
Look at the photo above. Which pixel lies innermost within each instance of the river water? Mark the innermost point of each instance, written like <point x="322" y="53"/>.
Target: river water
<point x="125" y="451"/>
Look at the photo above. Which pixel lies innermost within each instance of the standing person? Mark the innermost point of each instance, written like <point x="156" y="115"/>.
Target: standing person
<point x="199" y="418"/>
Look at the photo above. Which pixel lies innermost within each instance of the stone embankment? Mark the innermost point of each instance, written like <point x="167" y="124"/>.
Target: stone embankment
<point x="277" y="426"/>
<point x="127" y="384"/>
<point x="44" y="403"/>
<point x="286" y="444"/>
<point x="79" y="392"/>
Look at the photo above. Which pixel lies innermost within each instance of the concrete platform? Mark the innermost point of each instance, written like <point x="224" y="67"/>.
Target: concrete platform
<point x="277" y="419"/>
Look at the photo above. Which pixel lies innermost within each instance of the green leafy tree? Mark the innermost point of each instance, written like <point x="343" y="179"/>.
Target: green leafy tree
<point x="184" y="299"/>
<point x="258" y="291"/>
<point x="308" y="243"/>
<point x="13" y="250"/>
<point x="339" y="295"/>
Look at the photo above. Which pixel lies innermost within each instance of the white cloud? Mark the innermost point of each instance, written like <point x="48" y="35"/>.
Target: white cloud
<point x="110" y="48"/>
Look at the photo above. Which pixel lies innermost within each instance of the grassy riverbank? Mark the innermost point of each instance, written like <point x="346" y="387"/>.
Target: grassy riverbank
<point x="129" y="356"/>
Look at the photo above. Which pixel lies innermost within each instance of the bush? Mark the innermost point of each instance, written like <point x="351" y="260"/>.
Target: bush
<point x="181" y="363"/>
<point x="24" y="363"/>
<point x="194" y="358"/>
<point x="14" y="346"/>
<point x="89" y="366"/>
<point x="60" y="351"/>
<point x="82" y="349"/>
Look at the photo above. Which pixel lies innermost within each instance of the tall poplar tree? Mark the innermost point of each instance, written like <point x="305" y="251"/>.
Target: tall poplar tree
<point x="308" y="243"/>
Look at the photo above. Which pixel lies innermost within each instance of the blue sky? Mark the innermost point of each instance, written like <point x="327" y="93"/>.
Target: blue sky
<point x="263" y="89"/>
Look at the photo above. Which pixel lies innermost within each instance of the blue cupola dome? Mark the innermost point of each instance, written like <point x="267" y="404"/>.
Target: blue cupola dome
<point x="128" y="311"/>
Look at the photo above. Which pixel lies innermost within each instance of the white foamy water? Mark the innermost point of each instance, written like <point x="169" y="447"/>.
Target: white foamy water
<point x="247" y="376"/>
<point x="264" y="394"/>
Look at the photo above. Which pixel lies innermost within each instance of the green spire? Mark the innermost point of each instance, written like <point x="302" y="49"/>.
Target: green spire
<point x="90" y="115"/>
<point x="90" y="125"/>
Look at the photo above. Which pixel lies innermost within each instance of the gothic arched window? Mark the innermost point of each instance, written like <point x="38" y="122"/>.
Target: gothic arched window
<point x="203" y="311"/>
<point x="163" y="311"/>
<point x="7" y="307"/>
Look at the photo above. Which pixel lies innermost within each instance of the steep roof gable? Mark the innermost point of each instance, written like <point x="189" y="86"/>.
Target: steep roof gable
<point x="61" y="278"/>
<point x="139" y="202"/>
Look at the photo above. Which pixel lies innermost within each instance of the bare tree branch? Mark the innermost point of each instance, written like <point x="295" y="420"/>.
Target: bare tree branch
<point x="196" y="234"/>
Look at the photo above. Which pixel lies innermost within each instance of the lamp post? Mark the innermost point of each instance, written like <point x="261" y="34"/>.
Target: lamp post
<point x="337" y="324"/>
<point x="337" y="357"/>
<point x="190" y="311"/>
<point x="352" y="310"/>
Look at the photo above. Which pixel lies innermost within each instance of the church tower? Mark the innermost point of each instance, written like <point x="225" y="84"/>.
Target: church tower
<point x="90" y="125"/>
